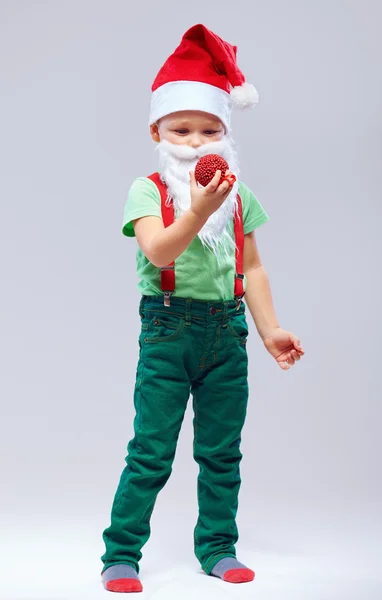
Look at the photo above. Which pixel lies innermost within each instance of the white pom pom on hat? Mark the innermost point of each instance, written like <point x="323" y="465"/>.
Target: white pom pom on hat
<point x="245" y="95"/>
<point x="202" y="74"/>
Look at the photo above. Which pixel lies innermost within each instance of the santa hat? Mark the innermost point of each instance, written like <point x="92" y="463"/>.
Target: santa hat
<point x="201" y="74"/>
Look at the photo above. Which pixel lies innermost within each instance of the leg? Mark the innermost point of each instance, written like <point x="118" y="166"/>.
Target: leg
<point x="161" y="395"/>
<point x="220" y="403"/>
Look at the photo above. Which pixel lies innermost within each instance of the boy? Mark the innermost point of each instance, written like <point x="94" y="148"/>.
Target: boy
<point x="195" y="246"/>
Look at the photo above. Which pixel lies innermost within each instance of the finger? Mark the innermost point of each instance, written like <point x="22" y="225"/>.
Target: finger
<point x="297" y="344"/>
<point x="295" y="355"/>
<point x="290" y="359"/>
<point x="214" y="183"/>
<point x="284" y="365"/>
<point x="192" y="179"/>
<point x="224" y="187"/>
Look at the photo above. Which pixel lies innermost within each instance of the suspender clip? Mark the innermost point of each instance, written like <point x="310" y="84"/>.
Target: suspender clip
<point x="239" y="300"/>
<point x="167" y="298"/>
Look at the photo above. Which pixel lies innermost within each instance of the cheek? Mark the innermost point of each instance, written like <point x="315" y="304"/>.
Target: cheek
<point x="214" y="138"/>
<point x="173" y="138"/>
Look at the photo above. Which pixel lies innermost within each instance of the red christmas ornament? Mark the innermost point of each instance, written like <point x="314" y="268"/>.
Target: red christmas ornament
<point x="207" y="166"/>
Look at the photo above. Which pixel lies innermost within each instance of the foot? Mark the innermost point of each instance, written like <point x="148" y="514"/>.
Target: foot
<point x="121" y="578"/>
<point x="232" y="571"/>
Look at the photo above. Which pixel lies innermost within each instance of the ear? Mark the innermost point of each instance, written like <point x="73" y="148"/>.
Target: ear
<point x="154" y="132"/>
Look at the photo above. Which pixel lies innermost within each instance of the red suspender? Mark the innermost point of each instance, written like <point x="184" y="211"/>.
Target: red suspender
<point x="167" y="274"/>
<point x="168" y="215"/>
<point x="239" y="238"/>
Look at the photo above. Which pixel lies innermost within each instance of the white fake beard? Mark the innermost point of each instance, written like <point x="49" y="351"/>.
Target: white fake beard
<point x="175" y="163"/>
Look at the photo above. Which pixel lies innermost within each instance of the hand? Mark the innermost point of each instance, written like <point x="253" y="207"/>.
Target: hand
<point x="206" y="200"/>
<point x="284" y="346"/>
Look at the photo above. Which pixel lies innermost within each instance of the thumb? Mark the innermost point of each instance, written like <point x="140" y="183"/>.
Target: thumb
<point x="192" y="179"/>
<point x="283" y="365"/>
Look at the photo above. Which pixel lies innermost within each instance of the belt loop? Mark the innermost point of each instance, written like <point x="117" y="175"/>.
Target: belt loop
<point x="188" y="311"/>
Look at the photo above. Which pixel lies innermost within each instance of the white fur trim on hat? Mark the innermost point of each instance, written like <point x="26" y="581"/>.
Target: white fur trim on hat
<point x="191" y="95"/>
<point x="245" y="95"/>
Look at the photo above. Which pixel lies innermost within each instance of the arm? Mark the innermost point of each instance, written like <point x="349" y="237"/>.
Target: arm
<point x="163" y="245"/>
<point x="282" y="345"/>
<point x="258" y="294"/>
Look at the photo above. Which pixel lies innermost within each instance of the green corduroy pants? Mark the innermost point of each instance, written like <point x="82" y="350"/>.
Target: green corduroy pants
<point x="195" y="347"/>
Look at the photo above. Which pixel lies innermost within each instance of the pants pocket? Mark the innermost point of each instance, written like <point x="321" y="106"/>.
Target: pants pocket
<point x="238" y="328"/>
<point x="163" y="327"/>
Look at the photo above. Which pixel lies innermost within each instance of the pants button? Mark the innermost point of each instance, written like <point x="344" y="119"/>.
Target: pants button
<point x="212" y="311"/>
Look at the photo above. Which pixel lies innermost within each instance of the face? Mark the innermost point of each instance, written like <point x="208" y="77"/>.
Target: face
<point x="191" y="127"/>
<point x="182" y="139"/>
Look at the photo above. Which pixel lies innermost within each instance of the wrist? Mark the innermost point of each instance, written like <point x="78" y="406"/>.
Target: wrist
<point x="268" y="332"/>
<point x="197" y="218"/>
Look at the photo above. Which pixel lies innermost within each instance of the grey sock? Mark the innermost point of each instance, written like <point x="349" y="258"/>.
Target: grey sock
<point x="226" y="564"/>
<point x="119" y="572"/>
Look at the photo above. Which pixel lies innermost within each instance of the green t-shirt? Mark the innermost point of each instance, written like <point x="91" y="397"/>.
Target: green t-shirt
<point x="198" y="274"/>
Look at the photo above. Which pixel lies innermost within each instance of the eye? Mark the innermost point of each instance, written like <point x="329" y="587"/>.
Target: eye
<point x="210" y="132"/>
<point x="181" y="131"/>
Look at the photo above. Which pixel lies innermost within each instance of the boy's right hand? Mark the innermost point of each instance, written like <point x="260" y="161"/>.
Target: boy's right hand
<point x="206" y="200"/>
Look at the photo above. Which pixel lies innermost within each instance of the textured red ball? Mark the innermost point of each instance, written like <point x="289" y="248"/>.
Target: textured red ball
<point x="207" y="166"/>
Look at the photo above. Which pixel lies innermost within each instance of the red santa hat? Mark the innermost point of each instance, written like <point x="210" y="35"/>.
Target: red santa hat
<point x="201" y="74"/>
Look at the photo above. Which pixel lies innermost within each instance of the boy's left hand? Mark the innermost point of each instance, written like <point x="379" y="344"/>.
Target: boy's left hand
<point x="285" y="347"/>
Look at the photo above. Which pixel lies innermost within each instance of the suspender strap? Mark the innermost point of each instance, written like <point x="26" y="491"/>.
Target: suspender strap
<point x="167" y="274"/>
<point x="239" y="239"/>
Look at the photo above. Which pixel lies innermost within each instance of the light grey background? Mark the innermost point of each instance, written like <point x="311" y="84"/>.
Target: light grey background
<point x="75" y="88"/>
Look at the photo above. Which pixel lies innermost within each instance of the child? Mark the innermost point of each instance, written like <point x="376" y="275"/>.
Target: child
<point x="194" y="330"/>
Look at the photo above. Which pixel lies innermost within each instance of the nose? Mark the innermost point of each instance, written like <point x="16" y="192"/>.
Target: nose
<point x="195" y="141"/>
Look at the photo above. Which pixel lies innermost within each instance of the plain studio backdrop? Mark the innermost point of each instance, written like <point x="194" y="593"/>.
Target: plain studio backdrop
<point x="75" y="91"/>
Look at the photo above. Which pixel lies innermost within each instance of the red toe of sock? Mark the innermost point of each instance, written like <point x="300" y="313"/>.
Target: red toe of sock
<point x="239" y="575"/>
<point x="124" y="585"/>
